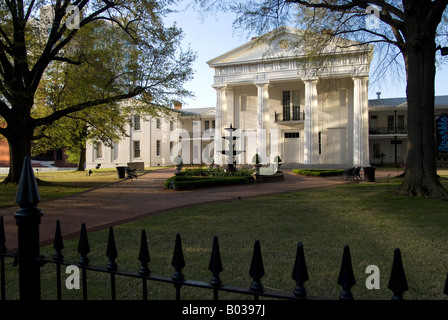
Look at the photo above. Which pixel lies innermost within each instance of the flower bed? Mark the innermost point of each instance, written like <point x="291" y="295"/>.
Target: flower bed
<point x="187" y="182"/>
<point x="319" y="172"/>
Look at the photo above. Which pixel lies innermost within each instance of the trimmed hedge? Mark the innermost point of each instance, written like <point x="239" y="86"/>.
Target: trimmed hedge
<point x="187" y="182"/>
<point x="217" y="172"/>
<point x="319" y="172"/>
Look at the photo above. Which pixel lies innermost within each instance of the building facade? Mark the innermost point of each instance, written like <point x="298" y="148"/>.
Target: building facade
<point x="153" y="141"/>
<point x="388" y="133"/>
<point x="282" y="105"/>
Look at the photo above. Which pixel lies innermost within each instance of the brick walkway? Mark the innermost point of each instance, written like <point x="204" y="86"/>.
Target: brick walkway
<point x="130" y="200"/>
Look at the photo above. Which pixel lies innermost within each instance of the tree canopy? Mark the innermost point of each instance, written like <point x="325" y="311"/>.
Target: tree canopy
<point x="51" y="46"/>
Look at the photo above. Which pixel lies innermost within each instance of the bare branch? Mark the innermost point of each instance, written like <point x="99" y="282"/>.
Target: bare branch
<point x="84" y="105"/>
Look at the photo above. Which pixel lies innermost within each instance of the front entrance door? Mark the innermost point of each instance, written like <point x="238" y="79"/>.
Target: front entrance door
<point x="293" y="152"/>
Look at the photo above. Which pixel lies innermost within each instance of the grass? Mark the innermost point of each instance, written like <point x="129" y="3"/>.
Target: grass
<point x="367" y="216"/>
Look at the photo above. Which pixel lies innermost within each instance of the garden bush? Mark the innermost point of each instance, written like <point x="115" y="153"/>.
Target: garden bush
<point x="319" y="172"/>
<point x="217" y="172"/>
<point x="187" y="182"/>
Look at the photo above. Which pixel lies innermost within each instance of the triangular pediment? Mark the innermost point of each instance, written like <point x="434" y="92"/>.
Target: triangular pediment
<point x="281" y="44"/>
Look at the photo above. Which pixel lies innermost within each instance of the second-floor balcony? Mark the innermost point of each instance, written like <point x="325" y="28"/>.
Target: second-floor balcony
<point x="293" y="115"/>
<point x="399" y="130"/>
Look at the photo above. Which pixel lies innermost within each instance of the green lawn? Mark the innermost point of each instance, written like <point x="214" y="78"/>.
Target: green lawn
<point x="367" y="216"/>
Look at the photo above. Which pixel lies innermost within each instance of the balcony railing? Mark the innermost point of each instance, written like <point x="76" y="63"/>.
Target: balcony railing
<point x="290" y="116"/>
<point x="388" y="130"/>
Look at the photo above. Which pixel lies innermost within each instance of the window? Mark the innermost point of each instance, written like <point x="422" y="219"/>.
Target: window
<point x="99" y="150"/>
<point x="171" y="125"/>
<point x="206" y="124"/>
<point x="136" y="122"/>
<point x="400" y="124"/>
<point x="158" y="148"/>
<point x="320" y="142"/>
<point x="213" y="124"/>
<point x="295" y="105"/>
<point x="390" y="124"/>
<point x="376" y="150"/>
<point x="286" y="101"/>
<point x="115" y="150"/>
<point x="136" y="149"/>
<point x="157" y="123"/>
<point x="291" y="100"/>
<point x="292" y="135"/>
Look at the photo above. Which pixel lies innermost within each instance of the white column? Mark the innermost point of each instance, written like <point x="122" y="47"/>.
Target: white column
<point x="221" y="104"/>
<point x="311" y="121"/>
<point x="360" y="122"/>
<point x="262" y="108"/>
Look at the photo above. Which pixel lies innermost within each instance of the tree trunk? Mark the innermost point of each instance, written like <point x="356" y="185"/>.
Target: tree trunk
<point x="420" y="177"/>
<point x="19" y="141"/>
<point x="82" y="158"/>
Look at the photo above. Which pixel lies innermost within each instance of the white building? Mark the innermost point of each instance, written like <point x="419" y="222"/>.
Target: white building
<point x="283" y="105"/>
<point x="278" y="102"/>
<point x="149" y="141"/>
<point x="388" y="133"/>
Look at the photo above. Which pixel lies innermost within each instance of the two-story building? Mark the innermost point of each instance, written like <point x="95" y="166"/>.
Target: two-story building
<point x="388" y="133"/>
<point x="154" y="140"/>
<point x="283" y="104"/>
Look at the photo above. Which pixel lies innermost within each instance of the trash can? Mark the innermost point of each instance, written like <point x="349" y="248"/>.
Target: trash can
<point x="121" y="172"/>
<point x="369" y="174"/>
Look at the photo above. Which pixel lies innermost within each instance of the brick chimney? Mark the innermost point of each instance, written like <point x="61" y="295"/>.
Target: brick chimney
<point x="177" y="105"/>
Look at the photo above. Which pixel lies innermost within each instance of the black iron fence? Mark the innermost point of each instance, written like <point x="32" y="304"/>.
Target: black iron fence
<point x="30" y="261"/>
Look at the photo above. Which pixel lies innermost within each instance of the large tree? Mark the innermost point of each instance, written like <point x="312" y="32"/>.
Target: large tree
<point x="27" y="55"/>
<point x="402" y="30"/>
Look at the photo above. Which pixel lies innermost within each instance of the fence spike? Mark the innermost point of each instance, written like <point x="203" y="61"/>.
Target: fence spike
<point x="215" y="265"/>
<point x="300" y="272"/>
<point x="3" y="248"/>
<point x="27" y="192"/>
<point x="346" y="277"/>
<point x="58" y="243"/>
<point x="83" y="246"/>
<point x="397" y="281"/>
<point x="178" y="261"/>
<point x="111" y="251"/>
<point x="256" y="268"/>
<point x="143" y="255"/>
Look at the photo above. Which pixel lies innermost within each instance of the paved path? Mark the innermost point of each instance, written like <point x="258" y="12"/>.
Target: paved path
<point x="130" y="200"/>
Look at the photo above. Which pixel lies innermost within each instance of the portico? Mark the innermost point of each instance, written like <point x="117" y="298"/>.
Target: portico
<point x="283" y="105"/>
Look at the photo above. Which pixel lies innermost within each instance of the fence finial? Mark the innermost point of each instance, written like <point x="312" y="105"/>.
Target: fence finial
<point x="58" y="243"/>
<point x="83" y="246"/>
<point x="178" y="261"/>
<point x="346" y="276"/>
<point x="27" y="192"/>
<point x="256" y="268"/>
<point x="397" y="281"/>
<point x="215" y="265"/>
<point x="111" y="251"/>
<point x="143" y="255"/>
<point x="300" y="272"/>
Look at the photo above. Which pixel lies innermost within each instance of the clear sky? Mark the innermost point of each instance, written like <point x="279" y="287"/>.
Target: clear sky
<point x="213" y="35"/>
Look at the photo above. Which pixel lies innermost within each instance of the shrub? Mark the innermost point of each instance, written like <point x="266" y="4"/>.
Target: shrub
<point x="187" y="182"/>
<point x="217" y="172"/>
<point x="319" y="172"/>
